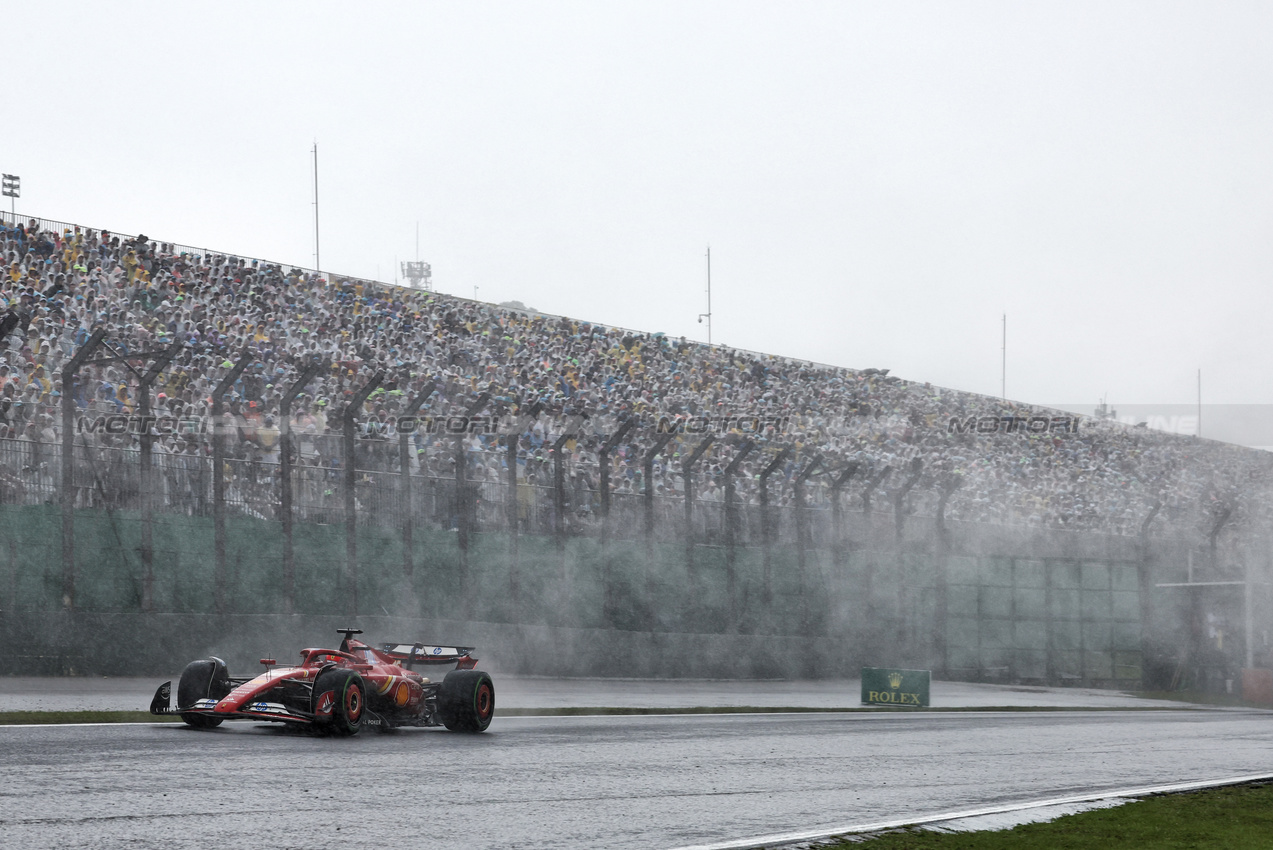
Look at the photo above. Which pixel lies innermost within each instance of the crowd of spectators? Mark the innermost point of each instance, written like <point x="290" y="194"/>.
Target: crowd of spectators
<point x="580" y="378"/>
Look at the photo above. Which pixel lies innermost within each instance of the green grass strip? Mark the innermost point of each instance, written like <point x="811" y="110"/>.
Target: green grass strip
<point x="1233" y="818"/>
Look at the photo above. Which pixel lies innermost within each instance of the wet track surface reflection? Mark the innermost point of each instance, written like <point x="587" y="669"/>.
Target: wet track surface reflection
<point x="584" y="782"/>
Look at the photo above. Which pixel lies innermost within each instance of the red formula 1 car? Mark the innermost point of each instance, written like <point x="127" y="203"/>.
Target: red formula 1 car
<point x="339" y="691"/>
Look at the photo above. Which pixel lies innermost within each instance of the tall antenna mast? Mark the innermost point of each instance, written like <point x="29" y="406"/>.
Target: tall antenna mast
<point x="1003" y="374"/>
<point x="318" y="263"/>
<point x="708" y="314"/>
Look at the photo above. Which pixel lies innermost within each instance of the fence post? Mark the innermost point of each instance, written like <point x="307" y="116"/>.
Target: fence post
<point x="952" y="482"/>
<point x="69" y="375"/>
<point x="837" y="509"/>
<point x="603" y="469"/>
<point x="802" y="520"/>
<point x="766" y="523"/>
<point x="348" y="427"/>
<point x="462" y="497"/>
<point x="559" y="493"/>
<point x="144" y="384"/>
<point x="218" y="481"/>
<point x="285" y="481"/>
<point x="1221" y="517"/>
<point x="1144" y="581"/>
<point x="871" y="484"/>
<point x="907" y="623"/>
<point x="731" y="531"/>
<point x="648" y="471"/>
<point x="511" y="441"/>
<point x="404" y="482"/>
<point x="687" y="472"/>
<point x="899" y="498"/>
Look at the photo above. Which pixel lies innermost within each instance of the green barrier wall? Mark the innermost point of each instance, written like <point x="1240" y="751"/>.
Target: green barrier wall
<point x="972" y="616"/>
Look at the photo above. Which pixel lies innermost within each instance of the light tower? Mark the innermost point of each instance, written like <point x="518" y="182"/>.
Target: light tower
<point x="418" y="274"/>
<point x="12" y="190"/>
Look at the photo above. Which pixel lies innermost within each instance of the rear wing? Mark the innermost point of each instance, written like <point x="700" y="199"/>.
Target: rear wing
<point x="424" y="653"/>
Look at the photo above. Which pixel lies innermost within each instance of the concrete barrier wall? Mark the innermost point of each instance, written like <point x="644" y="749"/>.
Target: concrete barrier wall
<point x="161" y="644"/>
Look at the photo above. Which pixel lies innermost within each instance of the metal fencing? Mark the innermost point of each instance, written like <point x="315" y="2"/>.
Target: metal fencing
<point x="110" y="478"/>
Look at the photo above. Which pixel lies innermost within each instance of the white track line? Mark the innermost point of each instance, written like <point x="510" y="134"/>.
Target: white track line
<point x="812" y="835"/>
<point x="55" y="725"/>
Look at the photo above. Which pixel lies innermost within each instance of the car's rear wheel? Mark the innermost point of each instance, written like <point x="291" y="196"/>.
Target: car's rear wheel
<point x="339" y="701"/>
<point x="466" y="701"/>
<point x="206" y="678"/>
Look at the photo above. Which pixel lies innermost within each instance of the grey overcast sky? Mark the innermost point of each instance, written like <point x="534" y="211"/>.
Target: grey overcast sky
<point x="879" y="182"/>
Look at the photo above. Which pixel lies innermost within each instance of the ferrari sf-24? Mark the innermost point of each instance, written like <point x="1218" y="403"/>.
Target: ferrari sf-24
<point x="340" y="691"/>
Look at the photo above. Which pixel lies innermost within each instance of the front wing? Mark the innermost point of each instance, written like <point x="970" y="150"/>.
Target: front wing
<point x="161" y="705"/>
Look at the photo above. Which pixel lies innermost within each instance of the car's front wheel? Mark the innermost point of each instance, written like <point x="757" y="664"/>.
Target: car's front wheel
<point x="339" y="701"/>
<point x="206" y="678"/>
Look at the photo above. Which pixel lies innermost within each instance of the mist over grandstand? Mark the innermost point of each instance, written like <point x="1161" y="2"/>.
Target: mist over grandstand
<point x="879" y="185"/>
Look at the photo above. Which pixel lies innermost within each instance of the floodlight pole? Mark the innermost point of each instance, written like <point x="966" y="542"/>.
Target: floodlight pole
<point x="13" y="189"/>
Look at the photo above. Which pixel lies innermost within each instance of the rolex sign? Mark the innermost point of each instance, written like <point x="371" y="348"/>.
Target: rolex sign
<point x="894" y="686"/>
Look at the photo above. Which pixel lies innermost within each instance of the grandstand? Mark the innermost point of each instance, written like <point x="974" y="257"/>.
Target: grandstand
<point x="475" y="419"/>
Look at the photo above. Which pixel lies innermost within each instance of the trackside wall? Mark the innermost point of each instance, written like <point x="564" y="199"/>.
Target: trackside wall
<point x="977" y="603"/>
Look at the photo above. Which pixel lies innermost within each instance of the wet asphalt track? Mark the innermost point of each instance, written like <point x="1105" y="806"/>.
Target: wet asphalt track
<point x="584" y="782"/>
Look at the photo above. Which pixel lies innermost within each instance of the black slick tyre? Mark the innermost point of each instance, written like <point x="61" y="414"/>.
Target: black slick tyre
<point x="206" y="678"/>
<point x="466" y="701"/>
<point x="339" y="701"/>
